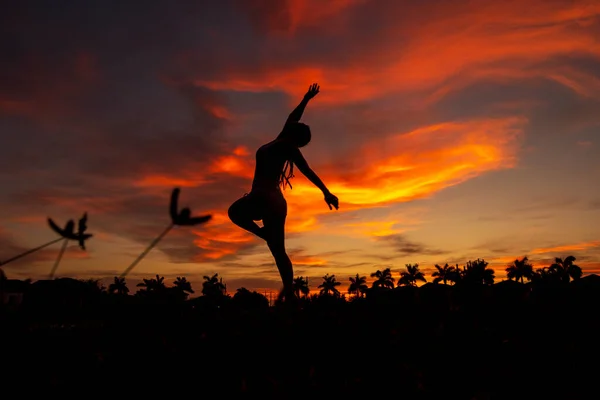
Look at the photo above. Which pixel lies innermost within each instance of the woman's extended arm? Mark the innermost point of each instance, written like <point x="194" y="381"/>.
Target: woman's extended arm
<point x="296" y="114"/>
<point x="303" y="166"/>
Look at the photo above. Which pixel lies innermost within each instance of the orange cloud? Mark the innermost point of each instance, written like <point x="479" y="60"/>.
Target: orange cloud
<point x="233" y="165"/>
<point x="414" y="165"/>
<point x="503" y="261"/>
<point x="156" y="180"/>
<point x="590" y="267"/>
<point x="374" y="228"/>
<point x="220" y="112"/>
<point x="237" y="163"/>
<point x="301" y="260"/>
<point x="221" y="237"/>
<point x="567" y="248"/>
<point x="241" y="151"/>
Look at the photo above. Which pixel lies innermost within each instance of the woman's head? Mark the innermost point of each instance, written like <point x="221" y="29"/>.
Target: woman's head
<point x="298" y="132"/>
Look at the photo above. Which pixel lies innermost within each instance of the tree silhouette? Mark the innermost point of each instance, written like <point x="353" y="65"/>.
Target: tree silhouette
<point x="329" y="286"/>
<point x="411" y="276"/>
<point x="456" y="275"/>
<point x="545" y="275"/>
<point x="119" y="286"/>
<point x="477" y="273"/>
<point x="443" y="274"/>
<point x="182" y="287"/>
<point x="300" y="286"/>
<point x="240" y="292"/>
<point x="565" y="269"/>
<point x="153" y="285"/>
<point x="213" y="286"/>
<point x="384" y="279"/>
<point x="519" y="270"/>
<point x="358" y="286"/>
<point x="247" y="299"/>
<point x="95" y="285"/>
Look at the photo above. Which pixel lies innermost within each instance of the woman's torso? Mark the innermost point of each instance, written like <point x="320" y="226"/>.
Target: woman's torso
<point x="270" y="160"/>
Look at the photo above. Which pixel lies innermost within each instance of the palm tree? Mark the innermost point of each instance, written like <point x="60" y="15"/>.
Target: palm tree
<point x="154" y="285"/>
<point x="456" y="275"/>
<point x="520" y="269"/>
<point x="476" y="272"/>
<point x="443" y="274"/>
<point x="118" y="286"/>
<point x="411" y="276"/>
<point x="544" y="275"/>
<point x="358" y="285"/>
<point x="329" y="286"/>
<point x="95" y="285"/>
<point x="383" y="279"/>
<point x="213" y="286"/>
<point x="565" y="269"/>
<point x="300" y="286"/>
<point x="183" y="286"/>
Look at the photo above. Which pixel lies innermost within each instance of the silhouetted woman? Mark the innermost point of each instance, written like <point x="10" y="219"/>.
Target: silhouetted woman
<point x="274" y="169"/>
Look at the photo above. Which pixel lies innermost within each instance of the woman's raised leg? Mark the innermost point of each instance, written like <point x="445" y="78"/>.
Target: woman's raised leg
<point x="241" y="213"/>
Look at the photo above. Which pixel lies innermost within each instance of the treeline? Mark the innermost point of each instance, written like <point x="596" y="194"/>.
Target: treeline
<point x="473" y="273"/>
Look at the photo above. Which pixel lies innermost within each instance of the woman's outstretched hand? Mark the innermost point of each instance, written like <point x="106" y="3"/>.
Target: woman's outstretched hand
<point x="332" y="200"/>
<point x="313" y="90"/>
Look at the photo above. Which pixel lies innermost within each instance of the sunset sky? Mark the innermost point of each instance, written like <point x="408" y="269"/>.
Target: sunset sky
<point x="449" y="131"/>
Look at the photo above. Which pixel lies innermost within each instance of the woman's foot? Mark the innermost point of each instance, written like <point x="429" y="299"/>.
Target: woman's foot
<point x="287" y="297"/>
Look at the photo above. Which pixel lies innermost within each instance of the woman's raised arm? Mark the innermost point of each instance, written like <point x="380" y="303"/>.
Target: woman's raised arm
<point x="296" y="114"/>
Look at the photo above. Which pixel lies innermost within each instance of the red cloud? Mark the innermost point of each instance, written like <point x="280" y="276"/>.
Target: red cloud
<point x="445" y="48"/>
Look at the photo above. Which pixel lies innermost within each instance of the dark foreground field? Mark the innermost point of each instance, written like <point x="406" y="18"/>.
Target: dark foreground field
<point x="504" y="341"/>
